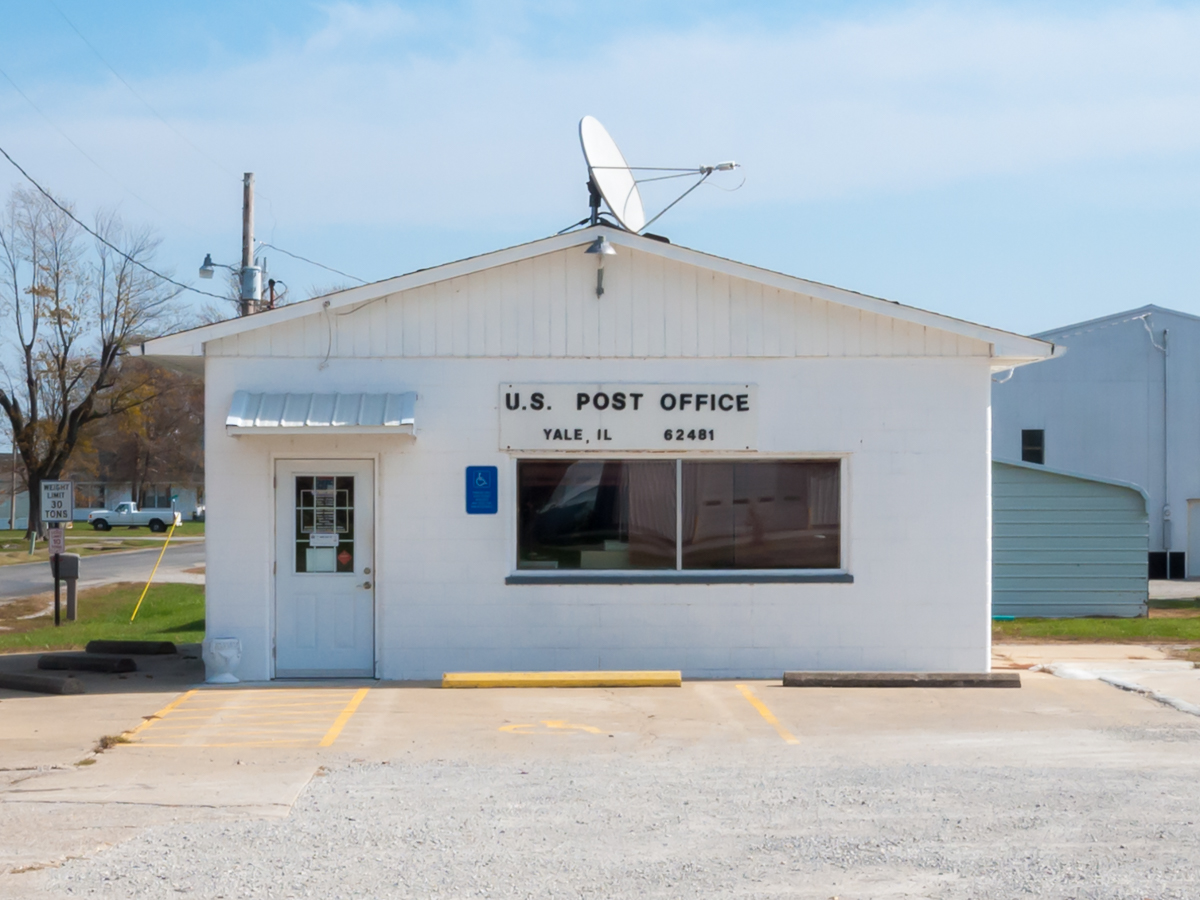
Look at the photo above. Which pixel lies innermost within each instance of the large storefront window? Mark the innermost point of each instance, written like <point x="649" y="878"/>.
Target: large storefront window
<point x="628" y="514"/>
<point x="761" y="515"/>
<point x="596" y="514"/>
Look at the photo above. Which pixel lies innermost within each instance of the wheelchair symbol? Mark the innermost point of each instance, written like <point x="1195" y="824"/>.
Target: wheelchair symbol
<point x="480" y="480"/>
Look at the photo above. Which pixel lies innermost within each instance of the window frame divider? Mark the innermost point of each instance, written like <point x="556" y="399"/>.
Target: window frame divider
<point x="678" y="514"/>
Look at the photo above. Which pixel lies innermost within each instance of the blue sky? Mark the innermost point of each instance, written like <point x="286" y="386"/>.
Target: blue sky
<point x="1021" y="165"/>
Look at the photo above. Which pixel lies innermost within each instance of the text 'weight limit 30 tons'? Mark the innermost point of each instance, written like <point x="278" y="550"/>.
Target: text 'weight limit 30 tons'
<point x="58" y="501"/>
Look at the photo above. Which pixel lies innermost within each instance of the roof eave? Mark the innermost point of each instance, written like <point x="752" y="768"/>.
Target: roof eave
<point x="1005" y="344"/>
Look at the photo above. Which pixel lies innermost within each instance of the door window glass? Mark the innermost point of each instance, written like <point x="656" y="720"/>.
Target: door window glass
<point x="324" y="523"/>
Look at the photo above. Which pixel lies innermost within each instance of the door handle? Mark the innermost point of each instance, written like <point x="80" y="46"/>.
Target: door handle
<point x="366" y="584"/>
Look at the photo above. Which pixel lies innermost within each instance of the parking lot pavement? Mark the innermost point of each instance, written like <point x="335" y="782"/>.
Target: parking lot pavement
<point x="1175" y="590"/>
<point x="252" y="719"/>
<point x="1064" y="788"/>
<point x="1148" y="669"/>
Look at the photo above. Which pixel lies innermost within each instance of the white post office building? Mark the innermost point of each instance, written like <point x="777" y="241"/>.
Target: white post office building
<point x="496" y="465"/>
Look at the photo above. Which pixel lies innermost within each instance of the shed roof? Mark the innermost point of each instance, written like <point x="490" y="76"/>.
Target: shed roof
<point x="1037" y="467"/>
<point x="1006" y="349"/>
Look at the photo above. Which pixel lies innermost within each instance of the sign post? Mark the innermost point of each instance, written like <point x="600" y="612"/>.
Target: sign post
<point x="58" y="546"/>
<point x="58" y="508"/>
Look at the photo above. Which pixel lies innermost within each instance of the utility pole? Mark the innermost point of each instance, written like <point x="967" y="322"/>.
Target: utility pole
<point x="12" y="508"/>
<point x="251" y="275"/>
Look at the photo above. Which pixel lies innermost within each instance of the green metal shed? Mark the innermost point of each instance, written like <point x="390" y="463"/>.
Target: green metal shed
<point x="1066" y="545"/>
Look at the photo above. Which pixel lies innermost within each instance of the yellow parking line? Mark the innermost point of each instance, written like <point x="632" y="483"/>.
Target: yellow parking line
<point x="146" y="723"/>
<point x="320" y="723"/>
<point x="233" y="712"/>
<point x="316" y="731"/>
<point x="332" y="734"/>
<point x="335" y="701"/>
<point x="239" y="744"/>
<point x="766" y="713"/>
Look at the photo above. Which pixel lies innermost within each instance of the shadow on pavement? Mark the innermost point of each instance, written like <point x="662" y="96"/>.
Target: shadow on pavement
<point x="155" y="674"/>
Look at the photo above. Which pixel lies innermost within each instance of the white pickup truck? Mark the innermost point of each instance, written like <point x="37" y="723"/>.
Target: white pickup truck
<point x="128" y="515"/>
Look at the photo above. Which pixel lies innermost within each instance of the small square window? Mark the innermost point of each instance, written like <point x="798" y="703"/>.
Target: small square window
<point x="1033" y="446"/>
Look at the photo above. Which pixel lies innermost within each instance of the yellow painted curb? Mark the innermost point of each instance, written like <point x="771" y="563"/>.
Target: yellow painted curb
<point x="561" y="679"/>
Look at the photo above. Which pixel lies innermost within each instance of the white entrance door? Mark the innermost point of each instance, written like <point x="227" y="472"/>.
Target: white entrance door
<point x="324" y="568"/>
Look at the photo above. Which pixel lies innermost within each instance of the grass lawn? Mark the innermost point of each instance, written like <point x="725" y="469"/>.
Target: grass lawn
<point x="1170" y="630"/>
<point x="170" y="612"/>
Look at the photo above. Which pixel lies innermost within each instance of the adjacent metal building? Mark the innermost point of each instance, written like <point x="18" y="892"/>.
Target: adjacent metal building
<point x="1121" y="403"/>
<point x="1066" y="545"/>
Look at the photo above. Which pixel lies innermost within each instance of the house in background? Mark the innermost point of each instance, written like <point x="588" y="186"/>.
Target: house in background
<point x="1121" y="404"/>
<point x="187" y="499"/>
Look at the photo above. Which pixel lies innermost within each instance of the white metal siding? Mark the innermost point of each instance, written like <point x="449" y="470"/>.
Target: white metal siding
<point x="1066" y="546"/>
<point x="1101" y="406"/>
<point x="547" y="307"/>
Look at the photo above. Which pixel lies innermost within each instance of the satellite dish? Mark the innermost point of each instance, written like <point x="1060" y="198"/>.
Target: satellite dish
<point x="612" y="180"/>
<point x="611" y="175"/>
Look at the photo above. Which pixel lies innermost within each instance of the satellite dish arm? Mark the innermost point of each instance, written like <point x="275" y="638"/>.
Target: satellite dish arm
<point x="703" y="178"/>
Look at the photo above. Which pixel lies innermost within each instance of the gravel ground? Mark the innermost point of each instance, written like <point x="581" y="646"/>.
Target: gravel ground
<point x="682" y="824"/>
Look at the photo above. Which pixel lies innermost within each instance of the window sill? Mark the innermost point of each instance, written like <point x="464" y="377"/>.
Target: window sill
<point x="677" y="577"/>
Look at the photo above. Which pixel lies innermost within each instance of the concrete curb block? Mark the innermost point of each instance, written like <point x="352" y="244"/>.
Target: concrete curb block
<point x="561" y="679"/>
<point x="902" y="679"/>
<point x="132" y="648"/>
<point x="42" y="684"/>
<point x="83" y="662"/>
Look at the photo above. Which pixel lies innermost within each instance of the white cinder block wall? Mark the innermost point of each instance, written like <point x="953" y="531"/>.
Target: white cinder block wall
<point x="913" y="433"/>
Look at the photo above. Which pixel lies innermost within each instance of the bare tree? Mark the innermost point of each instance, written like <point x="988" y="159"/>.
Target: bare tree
<point x="155" y="442"/>
<point x="74" y="305"/>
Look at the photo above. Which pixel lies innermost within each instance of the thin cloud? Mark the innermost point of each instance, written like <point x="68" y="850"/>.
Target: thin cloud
<point x="358" y="123"/>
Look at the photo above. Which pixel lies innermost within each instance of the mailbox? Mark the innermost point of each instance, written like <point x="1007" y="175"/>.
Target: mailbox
<point x="68" y="565"/>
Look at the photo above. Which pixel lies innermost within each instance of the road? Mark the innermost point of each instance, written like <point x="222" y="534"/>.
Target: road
<point x="135" y="565"/>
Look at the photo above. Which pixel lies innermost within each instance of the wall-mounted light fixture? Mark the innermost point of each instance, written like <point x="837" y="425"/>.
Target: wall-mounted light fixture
<point x="601" y="248"/>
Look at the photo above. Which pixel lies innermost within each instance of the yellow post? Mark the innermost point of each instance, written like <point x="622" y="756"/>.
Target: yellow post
<point x="151" y="578"/>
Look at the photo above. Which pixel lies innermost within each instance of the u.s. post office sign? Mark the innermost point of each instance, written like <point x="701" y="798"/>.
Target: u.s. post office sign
<point x="599" y="417"/>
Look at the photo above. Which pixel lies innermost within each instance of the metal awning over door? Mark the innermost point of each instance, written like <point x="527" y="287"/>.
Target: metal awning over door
<point x="267" y="413"/>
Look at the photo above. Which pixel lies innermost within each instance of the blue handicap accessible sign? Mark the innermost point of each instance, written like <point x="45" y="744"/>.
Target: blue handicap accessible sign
<point x="483" y="498"/>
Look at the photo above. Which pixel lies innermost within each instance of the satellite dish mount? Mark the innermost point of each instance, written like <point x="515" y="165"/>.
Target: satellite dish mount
<point x="594" y="199"/>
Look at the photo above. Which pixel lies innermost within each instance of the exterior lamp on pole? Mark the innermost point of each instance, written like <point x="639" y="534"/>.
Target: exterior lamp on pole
<point x="601" y="248"/>
<point x="250" y="282"/>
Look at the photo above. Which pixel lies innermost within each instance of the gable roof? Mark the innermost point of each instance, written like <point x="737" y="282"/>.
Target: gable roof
<point x="1118" y="318"/>
<point x="1007" y="349"/>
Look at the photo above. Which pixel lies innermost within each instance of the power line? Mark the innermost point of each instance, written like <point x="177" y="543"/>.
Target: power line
<point x="145" y="102"/>
<point x="101" y="238"/>
<point x="154" y="112"/>
<point x="313" y="262"/>
<point x="82" y="152"/>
